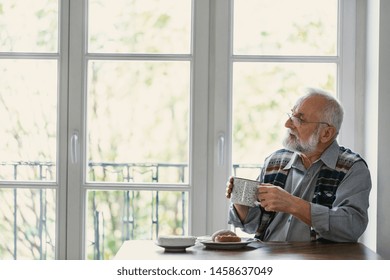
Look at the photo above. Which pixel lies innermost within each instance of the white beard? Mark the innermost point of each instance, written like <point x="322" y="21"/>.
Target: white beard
<point x="292" y="142"/>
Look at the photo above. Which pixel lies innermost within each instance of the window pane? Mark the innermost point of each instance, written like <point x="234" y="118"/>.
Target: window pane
<point x="27" y="224"/>
<point x="262" y="95"/>
<point x="116" y="216"/>
<point x="138" y="121"/>
<point x="139" y="26"/>
<point x="28" y="108"/>
<point x="280" y="27"/>
<point x="28" y="26"/>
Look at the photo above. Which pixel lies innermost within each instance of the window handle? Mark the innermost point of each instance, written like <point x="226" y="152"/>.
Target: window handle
<point x="221" y="149"/>
<point x="74" y="144"/>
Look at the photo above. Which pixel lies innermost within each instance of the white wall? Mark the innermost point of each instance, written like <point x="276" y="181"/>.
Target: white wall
<point x="383" y="228"/>
<point x="370" y="107"/>
<point x="377" y="132"/>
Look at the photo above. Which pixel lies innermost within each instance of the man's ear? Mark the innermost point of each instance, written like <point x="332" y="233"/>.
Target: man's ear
<point x="328" y="134"/>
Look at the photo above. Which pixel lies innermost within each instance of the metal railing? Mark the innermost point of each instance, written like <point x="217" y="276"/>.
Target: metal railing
<point x="127" y="172"/>
<point x="124" y="172"/>
<point x="42" y="171"/>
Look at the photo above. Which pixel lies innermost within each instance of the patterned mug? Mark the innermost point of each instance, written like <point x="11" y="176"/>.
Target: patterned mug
<point x="244" y="192"/>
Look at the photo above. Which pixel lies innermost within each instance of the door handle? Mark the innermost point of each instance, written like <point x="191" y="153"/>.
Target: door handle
<point x="221" y="149"/>
<point x="74" y="145"/>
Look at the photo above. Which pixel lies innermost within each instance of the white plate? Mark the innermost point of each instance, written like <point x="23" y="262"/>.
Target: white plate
<point x="174" y="248"/>
<point x="226" y="245"/>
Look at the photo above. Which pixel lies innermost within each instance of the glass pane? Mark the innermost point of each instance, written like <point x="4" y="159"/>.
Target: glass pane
<point x="138" y="121"/>
<point x="27" y="224"/>
<point x="116" y="216"/>
<point x="139" y="26"/>
<point x="28" y="108"/>
<point x="28" y="26"/>
<point x="262" y="95"/>
<point x="280" y="27"/>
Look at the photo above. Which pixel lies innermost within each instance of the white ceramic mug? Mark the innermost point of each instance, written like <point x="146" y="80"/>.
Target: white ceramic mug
<point x="244" y="192"/>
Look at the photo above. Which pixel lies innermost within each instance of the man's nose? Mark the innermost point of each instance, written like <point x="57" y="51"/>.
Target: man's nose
<point x="289" y="123"/>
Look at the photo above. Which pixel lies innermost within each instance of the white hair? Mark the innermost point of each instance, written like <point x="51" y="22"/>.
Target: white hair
<point x="332" y="112"/>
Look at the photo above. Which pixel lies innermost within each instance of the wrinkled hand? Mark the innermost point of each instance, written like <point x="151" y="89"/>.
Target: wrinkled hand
<point x="242" y="210"/>
<point x="229" y="187"/>
<point x="275" y="199"/>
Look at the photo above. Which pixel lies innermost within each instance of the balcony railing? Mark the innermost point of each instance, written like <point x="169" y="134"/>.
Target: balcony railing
<point x="41" y="243"/>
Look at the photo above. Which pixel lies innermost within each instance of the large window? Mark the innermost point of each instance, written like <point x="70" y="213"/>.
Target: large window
<point x="125" y="118"/>
<point x="264" y="54"/>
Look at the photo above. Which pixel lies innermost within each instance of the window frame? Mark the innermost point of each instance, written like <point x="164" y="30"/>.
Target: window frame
<point x="77" y="183"/>
<point x="221" y="92"/>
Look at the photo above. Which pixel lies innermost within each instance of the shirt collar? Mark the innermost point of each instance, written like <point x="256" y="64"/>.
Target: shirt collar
<point x="292" y="162"/>
<point x="329" y="157"/>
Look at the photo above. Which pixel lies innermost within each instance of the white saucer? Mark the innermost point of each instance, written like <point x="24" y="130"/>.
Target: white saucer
<point x="174" y="248"/>
<point x="226" y="245"/>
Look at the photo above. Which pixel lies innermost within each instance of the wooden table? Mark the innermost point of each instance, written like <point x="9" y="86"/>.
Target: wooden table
<point x="148" y="250"/>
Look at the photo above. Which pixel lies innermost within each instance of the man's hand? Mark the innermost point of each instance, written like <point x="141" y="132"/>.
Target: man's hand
<point x="229" y="187"/>
<point x="276" y="199"/>
<point x="241" y="210"/>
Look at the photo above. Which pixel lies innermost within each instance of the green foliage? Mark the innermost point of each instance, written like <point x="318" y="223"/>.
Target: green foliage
<point x="162" y="21"/>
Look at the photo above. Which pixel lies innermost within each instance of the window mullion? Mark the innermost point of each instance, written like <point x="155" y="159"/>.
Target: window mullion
<point x="61" y="249"/>
<point x="220" y="113"/>
<point x="75" y="194"/>
<point x="199" y="120"/>
<point x="347" y="71"/>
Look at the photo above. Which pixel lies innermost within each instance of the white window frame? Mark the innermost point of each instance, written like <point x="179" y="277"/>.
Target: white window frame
<point x="220" y="106"/>
<point x="77" y="185"/>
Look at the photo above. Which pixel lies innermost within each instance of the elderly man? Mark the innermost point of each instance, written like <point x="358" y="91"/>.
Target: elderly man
<point x="313" y="189"/>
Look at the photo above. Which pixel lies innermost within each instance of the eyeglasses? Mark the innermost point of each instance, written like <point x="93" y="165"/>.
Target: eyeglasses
<point x="298" y="121"/>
